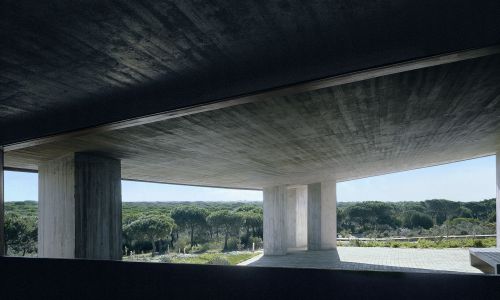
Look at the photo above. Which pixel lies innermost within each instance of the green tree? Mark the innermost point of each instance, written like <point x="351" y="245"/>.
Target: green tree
<point x="150" y="228"/>
<point x="252" y="222"/>
<point x="230" y="222"/>
<point x="190" y="218"/>
<point x="21" y="233"/>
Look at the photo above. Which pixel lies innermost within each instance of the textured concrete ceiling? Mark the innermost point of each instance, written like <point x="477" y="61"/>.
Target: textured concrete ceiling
<point x="67" y="65"/>
<point x="387" y="124"/>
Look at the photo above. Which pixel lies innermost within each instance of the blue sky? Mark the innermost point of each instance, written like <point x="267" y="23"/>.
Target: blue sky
<point x="471" y="180"/>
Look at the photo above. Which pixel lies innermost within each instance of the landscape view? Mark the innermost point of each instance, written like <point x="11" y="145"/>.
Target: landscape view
<point x="228" y="233"/>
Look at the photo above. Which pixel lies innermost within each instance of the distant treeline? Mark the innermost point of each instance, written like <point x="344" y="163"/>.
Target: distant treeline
<point x="201" y="226"/>
<point x="430" y="217"/>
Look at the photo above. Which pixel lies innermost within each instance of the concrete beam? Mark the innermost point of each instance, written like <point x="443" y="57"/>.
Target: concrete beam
<point x="322" y="215"/>
<point x="80" y="207"/>
<point x="275" y="230"/>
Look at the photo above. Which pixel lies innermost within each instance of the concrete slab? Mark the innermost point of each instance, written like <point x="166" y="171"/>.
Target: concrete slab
<point x="388" y="124"/>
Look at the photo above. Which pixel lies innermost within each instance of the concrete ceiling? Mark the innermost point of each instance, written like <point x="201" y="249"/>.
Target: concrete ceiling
<point x="67" y="65"/>
<point x="392" y="123"/>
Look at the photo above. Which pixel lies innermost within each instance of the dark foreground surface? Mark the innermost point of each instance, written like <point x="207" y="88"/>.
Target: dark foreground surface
<point x="24" y="278"/>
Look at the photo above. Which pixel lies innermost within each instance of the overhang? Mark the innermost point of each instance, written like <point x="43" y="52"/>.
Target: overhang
<point x="396" y="122"/>
<point x="71" y="65"/>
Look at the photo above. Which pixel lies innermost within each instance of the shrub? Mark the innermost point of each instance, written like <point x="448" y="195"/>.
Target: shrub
<point x="395" y="244"/>
<point x="355" y="243"/>
<point x="233" y="244"/>
<point x="199" y="248"/>
<point x="478" y="244"/>
<point x="183" y="242"/>
<point x="258" y="242"/>
<point x="166" y="259"/>
<point x="216" y="245"/>
<point x="218" y="260"/>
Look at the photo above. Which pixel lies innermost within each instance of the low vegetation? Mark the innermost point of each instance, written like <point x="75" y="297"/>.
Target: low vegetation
<point x="209" y="258"/>
<point x="425" y="243"/>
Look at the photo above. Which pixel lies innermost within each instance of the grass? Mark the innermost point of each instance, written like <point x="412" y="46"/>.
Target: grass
<point x="232" y="258"/>
<point x="423" y="243"/>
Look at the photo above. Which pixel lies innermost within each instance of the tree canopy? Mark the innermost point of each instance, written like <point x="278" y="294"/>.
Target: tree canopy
<point x="21" y="233"/>
<point x="229" y="221"/>
<point x="190" y="217"/>
<point x="150" y="228"/>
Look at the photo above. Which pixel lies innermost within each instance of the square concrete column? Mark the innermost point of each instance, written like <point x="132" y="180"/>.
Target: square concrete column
<point x="297" y="217"/>
<point x="497" y="158"/>
<point x="80" y="209"/>
<point x="275" y="231"/>
<point x="3" y="242"/>
<point x="322" y="215"/>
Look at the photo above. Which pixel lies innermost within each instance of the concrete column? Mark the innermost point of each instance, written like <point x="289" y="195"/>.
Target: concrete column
<point x="322" y="216"/>
<point x="3" y="244"/>
<point x="275" y="231"/>
<point x="301" y="229"/>
<point x="297" y="217"/>
<point x="291" y="218"/>
<point x="80" y="207"/>
<point x="498" y="198"/>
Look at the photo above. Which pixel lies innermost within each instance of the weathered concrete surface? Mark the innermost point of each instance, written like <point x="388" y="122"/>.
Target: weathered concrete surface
<point x="296" y="217"/>
<point x="374" y="259"/>
<point x="275" y="214"/>
<point x="322" y="215"/>
<point x="388" y="124"/>
<point x="291" y="218"/>
<point x="301" y="216"/>
<point x="314" y="216"/>
<point x="498" y="197"/>
<point x="328" y="215"/>
<point x="151" y="56"/>
<point x="98" y="207"/>
<point x="56" y="208"/>
<point x="3" y="245"/>
<point x="80" y="207"/>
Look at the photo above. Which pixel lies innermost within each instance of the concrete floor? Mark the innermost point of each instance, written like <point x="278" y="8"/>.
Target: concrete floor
<point x="374" y="259"/>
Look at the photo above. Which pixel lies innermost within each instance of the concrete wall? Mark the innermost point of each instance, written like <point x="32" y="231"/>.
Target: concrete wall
<point x="80" y="207"/>
<point x="275" y="230"/>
